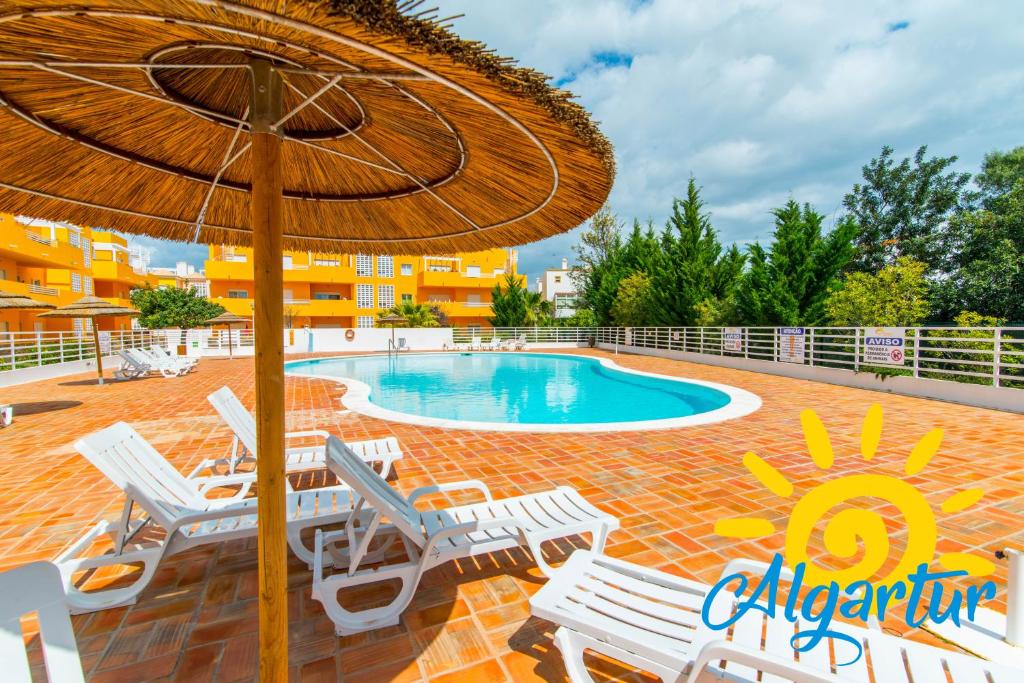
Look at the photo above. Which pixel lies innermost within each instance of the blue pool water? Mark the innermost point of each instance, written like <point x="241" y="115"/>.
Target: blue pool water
<point x="525" y="388"/>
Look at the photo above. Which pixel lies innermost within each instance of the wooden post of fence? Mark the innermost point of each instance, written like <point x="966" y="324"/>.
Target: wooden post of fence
<point x="997" y="351"/>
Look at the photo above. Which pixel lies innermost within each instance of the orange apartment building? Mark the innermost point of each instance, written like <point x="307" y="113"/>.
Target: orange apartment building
<point x="60" y="263"/>
<point x="348" y="290"/>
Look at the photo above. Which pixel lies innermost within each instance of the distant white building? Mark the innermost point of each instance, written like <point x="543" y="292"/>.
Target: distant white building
<point x="182" y="276"/>
<point x="557" y="287"/>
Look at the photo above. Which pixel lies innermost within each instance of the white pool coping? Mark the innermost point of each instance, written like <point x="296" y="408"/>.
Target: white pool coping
<point x="357" y="398"/>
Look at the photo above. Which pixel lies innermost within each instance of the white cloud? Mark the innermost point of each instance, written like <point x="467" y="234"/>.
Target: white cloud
<point x="764" y="100"/>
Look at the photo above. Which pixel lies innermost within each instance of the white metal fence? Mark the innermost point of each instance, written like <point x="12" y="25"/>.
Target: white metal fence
<point x="34" y="349"/>
<point x="991" y="356"/>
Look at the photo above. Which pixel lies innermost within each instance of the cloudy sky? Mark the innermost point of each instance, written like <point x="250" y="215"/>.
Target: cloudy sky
<point x="760" y="100"/>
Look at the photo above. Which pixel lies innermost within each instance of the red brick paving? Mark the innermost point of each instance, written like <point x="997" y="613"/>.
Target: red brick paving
<point x="470" y="620"/>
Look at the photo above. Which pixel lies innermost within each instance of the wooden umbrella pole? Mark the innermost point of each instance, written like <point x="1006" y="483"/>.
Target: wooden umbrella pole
<point x="99" y="356"/>
<point x="268" y="323"/>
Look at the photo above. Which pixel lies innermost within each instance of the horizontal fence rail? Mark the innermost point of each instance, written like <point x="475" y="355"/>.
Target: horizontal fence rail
<point x="20" y="350"/>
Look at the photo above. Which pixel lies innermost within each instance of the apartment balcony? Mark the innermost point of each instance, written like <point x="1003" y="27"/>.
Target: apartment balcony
<point x="29" y="247"/>
<point x="464" y="309"/>
<point x="242" y="271"/>
<point x="229" y="270"/>
<point x="119" y="272"/>
<point x="314" y="308"/>
<point x="323" y="308"/>
<point x="430" y="278"/>
<point x="325" y="274"/>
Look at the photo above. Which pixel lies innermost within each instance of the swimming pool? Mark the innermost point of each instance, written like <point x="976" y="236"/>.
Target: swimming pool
<point x="523" y="392"/>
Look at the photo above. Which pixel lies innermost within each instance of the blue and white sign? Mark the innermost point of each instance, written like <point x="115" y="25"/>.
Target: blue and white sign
<point x="884" y="345"/>
<point x="732" y="339"/>
<point x="791" y="344"/>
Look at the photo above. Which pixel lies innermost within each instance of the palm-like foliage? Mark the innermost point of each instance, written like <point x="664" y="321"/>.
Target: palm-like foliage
<point x="416" y="315"/>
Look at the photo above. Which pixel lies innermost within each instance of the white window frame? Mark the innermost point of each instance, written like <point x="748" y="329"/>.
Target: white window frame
<point x="406" y="269"/>
<point x="233" y="292"/>
<point x="385" y="266"/>
<point x="328" y="262"/>
<point x="364" y="296"/>
<point x="364" y="265"/>
<point x="90" y="289"/>
<point x="76" y="282"/>
<point x="364" y="321"/>
<point x="385" y="296"/>
<point x="472" y="271"/>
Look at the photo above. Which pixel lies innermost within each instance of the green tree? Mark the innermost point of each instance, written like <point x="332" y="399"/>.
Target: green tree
<point x="633" y="302"/>
<point x="985" y="260"/>
<point x="902" y="208"/>
<point x="896" y="296"/>
<point x="999" y="173"/>
<point x="690" y="274"/>
<point x="538" y="310"/>
<point x="597" y="271"/>
<point x="416" y="315"/>
<point x="509" y="305"/>
<point x="168" y="307"/>
<point x="583" y="317"/>
<point x="788" y="283"/>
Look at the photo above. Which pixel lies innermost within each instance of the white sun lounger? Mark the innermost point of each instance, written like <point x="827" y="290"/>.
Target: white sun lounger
<point x="164" y="360"/>
<point x="298" y="458"/>
<point x="402" y="345"/>
<point x="36" y="587"/>
<point x="495" y="344"/>
<point x="433" y="537"/>
<point x="142" y="359"/>
<point x="182" y="361"/>
<point x="475" y="344"/>
<point x="652" y="621"/>
<point x="180" y="507"/>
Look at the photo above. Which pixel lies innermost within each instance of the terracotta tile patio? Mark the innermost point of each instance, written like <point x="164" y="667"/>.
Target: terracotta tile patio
<point x="470" y="621"/>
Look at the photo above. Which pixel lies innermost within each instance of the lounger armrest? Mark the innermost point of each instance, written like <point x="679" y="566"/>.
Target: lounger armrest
<point x="715" y="651"/>
<point x="453" y="486"/>
<point x="309" y="433"/>
<point x="244" y="480"/>
<point x="216" y="513"/>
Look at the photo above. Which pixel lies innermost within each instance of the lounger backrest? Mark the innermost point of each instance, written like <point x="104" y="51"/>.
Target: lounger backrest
<point x="37" y="587"/>
<point x="401" y="342"/>
<point x="132" y="360"/>
<point x="236" y="416"/>
<point x="372" y="487"/>
<point x="126" y="458"/>
<point x="141" y="357"/>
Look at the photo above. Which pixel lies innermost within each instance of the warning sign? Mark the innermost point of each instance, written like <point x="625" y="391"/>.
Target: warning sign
<point x="732" y="339"/>
<point x="884" y="345"/>
<point x="791" y="344"/>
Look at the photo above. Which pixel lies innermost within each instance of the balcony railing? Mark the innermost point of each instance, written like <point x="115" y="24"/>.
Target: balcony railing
<point x="46" y="291"/>
<point x="36" y="237"/>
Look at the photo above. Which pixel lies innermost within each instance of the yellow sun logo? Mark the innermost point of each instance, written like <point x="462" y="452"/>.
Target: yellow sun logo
<point x="853" y="526"/>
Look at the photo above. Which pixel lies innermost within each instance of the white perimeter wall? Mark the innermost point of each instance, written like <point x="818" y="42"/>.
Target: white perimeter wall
<point x="999" y="398"/>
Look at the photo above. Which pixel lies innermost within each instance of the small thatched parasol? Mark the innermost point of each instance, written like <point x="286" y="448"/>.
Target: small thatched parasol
<point x="329" y="125"/>
<point x="228" y="318"/>
<point x="11" y="301"/>
<point x="91" y="307"/>
<point x="393" y="319"/>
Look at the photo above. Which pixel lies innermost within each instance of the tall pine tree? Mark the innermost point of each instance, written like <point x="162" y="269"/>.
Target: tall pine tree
<point x="788" y="283"/>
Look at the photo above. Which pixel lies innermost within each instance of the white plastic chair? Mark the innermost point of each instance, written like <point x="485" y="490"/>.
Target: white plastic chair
<point x="36" y="587"/>
<point x="297" y="458"/>
<point x="433" y="537"/>
<point x="181" y="507"/>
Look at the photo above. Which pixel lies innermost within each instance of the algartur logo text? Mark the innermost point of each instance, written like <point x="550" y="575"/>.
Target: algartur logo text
<point x="857" y="589"/>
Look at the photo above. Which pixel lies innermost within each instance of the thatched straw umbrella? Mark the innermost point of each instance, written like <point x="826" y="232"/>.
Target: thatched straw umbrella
<point x="327" y="125"/>
<point x="228" y="318"/>
<point x="91" y="307"/>
<point x="393" y="319"/>
<point x="9" y="301"/>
